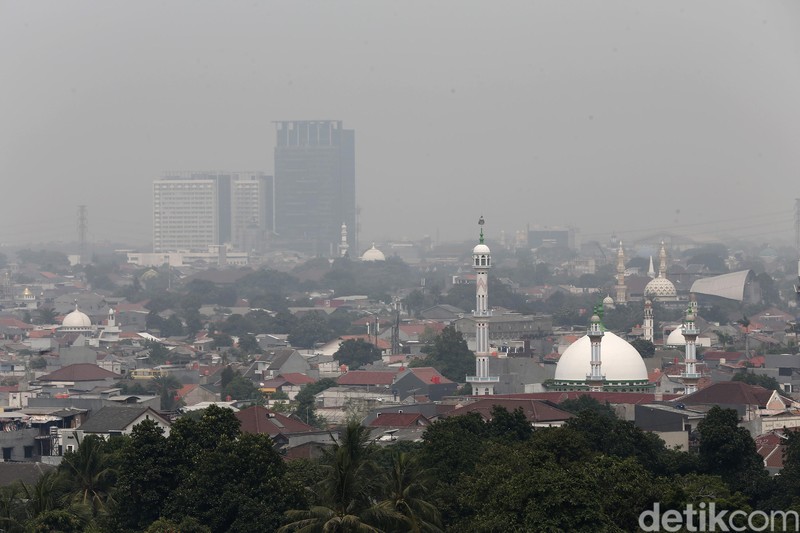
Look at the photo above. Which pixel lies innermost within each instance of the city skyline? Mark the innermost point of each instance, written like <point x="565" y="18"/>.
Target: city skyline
<point x="612" y="119"/>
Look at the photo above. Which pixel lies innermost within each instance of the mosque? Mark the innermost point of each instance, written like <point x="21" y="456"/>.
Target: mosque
<point x="79" y="322"/>
<point x="601" y="361"/>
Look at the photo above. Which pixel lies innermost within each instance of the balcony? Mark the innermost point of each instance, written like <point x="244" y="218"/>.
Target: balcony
<point x="691" y="376"/>
<point x="479" y="379"/>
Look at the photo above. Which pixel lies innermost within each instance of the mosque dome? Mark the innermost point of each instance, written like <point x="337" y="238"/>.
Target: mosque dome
<point x="76" y="319"/>
<point x="676" y="338"/>
<point x="480" y="249"/>
<point x="620" y="361"/>
<point x="373" y="254"/>
<point x="660" y="287"/>
<point x="608" y="300"/>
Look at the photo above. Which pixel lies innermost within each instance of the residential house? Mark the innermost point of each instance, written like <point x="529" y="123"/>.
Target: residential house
<point x="286" y="432"/>
<point x="81" y="376"/>
<point x="422" y="381"/>
<point x="278" y="362"/>
<point x="290" y="384"/>
<point x="539" y="413"/>
<point x="112" y="421"/>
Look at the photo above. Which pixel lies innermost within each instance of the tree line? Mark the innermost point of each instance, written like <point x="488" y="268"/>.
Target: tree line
<point x="595" y="473"/>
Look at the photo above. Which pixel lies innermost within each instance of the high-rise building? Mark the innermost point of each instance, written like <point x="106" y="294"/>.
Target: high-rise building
<point x="195" y="210"/>
<point x="315" y="190"/>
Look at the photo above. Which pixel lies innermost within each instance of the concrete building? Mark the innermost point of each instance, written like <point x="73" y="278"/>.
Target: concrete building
<point x="315" y="184"/>
<point x="195" y="210"/>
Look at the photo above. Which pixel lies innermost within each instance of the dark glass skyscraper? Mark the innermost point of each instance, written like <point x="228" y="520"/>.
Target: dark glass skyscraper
<point x="315" y="183"/>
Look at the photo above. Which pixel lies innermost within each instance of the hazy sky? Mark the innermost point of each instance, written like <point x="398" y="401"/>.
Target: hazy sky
<point x="605" y="115"/>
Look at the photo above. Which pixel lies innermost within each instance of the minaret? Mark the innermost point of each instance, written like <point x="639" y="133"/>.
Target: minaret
<point x="343" y="246"/>
<point x="690" y="377"/>
<point x="621" y="288"/>
<point x="647" y="328"/>
<point x="651" y="272"/>
<point x="595" y="379"/>
<point x="662" y="268"/>
<point x="482" y="383"/>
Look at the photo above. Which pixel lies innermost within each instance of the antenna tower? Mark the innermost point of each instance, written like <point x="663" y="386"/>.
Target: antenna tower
<point x="83" y="228"/>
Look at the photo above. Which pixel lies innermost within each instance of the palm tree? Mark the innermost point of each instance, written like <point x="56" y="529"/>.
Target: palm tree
<point x="346" y="491"/>
<point x="11" y="509"/>
<point x="403" y="495"/>
<point x="165" y="386"/>
<point x="43" y="495"/>
<point x="87" y="475"/>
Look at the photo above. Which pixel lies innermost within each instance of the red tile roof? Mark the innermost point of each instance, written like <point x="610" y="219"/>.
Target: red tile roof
<point x="729" y="393"/>
<point x="602" y="397"/>
<point x="400" y="420"/>
<point x="717" y="355"/>
<point x="257" y="419"/>
<point x="12" y="322"/>
<point x="428" y="374"/>
<point x="367" y="377"/>
<point x="535" y="410"/>
<point x="80" y="372"/>
<point x="186" y="389"/>
<point x="296" y="378"/>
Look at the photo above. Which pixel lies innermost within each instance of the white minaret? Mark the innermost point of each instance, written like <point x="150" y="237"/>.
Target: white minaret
<point x="595" y="379"/>
<point x="647" y="327"/>
<point x="651" y="272"/>
<point x="343" y="246"/>
<point x="482" y="383"/>
<point x="621" y="288"/>
<point x="662" y="267"/>
<point x="690" y="377"/>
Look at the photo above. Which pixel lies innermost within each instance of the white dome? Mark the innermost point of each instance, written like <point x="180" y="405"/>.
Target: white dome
<point x="76" y="319"/>
<point x="373" y="254"/>
<point x="676" y="338"/>
<point x="481" y="249"/>
<point x="608" y="300"/>
<point x="660" y="288"/>
<point x="620" y="360"/>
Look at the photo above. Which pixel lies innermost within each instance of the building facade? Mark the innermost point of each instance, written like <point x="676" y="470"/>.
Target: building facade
<point x="315" y="183"/>
<point x="195" y="210"/>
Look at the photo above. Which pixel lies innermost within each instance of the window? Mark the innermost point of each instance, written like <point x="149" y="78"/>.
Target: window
<point x="7" y="453"/>
<point x="28" y="452"/>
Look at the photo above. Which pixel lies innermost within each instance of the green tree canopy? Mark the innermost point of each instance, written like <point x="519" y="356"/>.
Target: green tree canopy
<point x="449" y="355"/>
<point x="356" y="353"/>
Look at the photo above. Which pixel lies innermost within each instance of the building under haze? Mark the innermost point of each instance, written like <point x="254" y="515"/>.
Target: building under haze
<point x="315" y="190"/>
<point x="195" y="210"/>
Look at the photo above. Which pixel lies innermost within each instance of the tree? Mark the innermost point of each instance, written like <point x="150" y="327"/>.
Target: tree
<point x="158" y="352"/>
<point x="241" y="388"/>
<point x="88" y="475"/>
<point x="729" y="451"/>
<point x="346" y="489"/>
<point x="509" y="425"/>
<point x="45" y="315"/>
<point x="306" y="408"/>
<point x="165" y="386"/>
<point x="147" y="477"/>
<point x="449" y="355"/>
<point x="356" y="353"/>
<point x="760" y="380"/>
<point x="404" y="495"/>
<point x="644" y="347"/>
<point x="248" y="343"/>
<point x="310" y="329"/>
<point x="238" y="484"/>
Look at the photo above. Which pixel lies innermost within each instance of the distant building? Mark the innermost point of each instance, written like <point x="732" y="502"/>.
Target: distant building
<point x="315" y="187"/>
<point x="195" y="210"/>
<point x="552" y="237"/>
